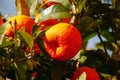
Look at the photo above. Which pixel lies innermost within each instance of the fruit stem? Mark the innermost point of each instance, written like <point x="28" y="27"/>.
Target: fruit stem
<point x="15" y="31"/>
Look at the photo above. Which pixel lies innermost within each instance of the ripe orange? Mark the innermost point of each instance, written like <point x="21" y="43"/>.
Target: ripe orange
<point x="67" y="20"/>
<point x="49" y="3"/>
<point x="36" y="49"/>
<point x="1" y="21"/>
<point x="21" y="21"/>
<point x="91" y="74"/>
<point x="34" y="74"/>
<point x="62" y="41"/>
<point x="48" y="23"/>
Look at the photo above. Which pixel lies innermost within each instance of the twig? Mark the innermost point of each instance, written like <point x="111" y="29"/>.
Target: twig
<point x="99" y="36"/>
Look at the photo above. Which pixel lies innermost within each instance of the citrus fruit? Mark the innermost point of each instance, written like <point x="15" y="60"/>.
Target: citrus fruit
<point x="62" y="41"/>
<point x="17" y="22"/>
<point x="67" y="20"/>
<point x="91" y="74"/>
<point x="47" y="23"/>
<point x="36" y="49"/>
<point x="1" y="21"/>
<point x="34" y="74"/>
<point x="48" y="4"/>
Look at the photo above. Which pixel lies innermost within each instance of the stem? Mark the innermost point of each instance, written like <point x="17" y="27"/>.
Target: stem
<point x="99" y="36"/>
<point x="15" y="31"/>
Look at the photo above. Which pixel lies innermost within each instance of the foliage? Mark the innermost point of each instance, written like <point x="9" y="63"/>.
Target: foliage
<point x="93" y="18"/>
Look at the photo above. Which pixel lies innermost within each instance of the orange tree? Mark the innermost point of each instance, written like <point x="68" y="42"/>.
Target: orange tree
<point x="55" y="46"/>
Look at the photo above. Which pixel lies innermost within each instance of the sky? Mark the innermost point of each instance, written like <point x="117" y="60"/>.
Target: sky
<point x="7" y="7"/>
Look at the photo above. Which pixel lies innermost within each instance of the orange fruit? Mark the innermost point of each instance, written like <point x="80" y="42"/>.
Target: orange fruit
<point x="1" y="21"/>
<point x="48" y="23"/>
<point x="21" y="21"/>
<point x="49" y="3"/>
<point x="67" y="20"/>
<point x="91" y="74"/>
<point x="62" y="41"/>
<point x="34" y="74"/>
<point x="36" y="49"/>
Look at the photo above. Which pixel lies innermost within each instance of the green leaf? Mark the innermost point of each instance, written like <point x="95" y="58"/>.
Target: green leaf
<point x="26" y="37"/>
<point x="108" y="36"/>
<point x="7" y="43"/>
<point x="2" y="32"/>
<point x="30" y="64"/>
<point x="85" y="22"/>
<point x="88" y="35"/>
<point x="81" y="4"/>
<point x="55" y="11"/>
<point x="33" y="7"/>
<point x="21" y="69"/>
<point x="35" y="30"/>
<point x="83" y="59"/>
<point x="82" y="76"/>
<point x="108" y="45"/>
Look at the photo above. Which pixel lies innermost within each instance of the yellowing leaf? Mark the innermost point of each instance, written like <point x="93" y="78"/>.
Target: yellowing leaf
<point x="22" y="7"/>
<point x="82" y="76"/>
<point x="37" y="17"/>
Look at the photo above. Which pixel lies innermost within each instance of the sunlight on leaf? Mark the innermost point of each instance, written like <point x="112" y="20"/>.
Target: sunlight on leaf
<point x="2" y="32"/>
<point x="82" y="76"/>
<point x="22" y="7"/>
<point x="33" y="7"/>
<point x="81" y="5"/>
<point x="55" y="11"/>
<point x="27" y="37"/>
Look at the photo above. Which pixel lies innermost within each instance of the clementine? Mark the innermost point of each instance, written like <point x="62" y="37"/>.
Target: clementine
<point x="62" y="41"/>
<point x="67" y="20"/>
<point x="36" y="49"/>
<point x="91" y="74"/>
<point x="49" y="3"/>
<point x="48" y="23"/>
<point x="1" y="21"/>
<point x="17" y="22"/>
<point x="34" y="74"/>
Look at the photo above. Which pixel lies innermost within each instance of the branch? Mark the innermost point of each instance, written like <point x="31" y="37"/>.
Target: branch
<point x="99" y="36"/>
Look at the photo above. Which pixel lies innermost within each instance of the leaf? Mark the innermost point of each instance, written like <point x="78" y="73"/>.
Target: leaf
<point x="85" y="21"/>
<point x="30" y="64"/>
<point x="108" y="36"/>
<point x="55" y="11"/>
<point x="22" y="7"/>
<point x="81" y="4"/>
<point x="2" y="32"/>
<point x="88" y="35"/>
<point x="117" y="4"/>
<point x="21" y="69"/>
<point x="27" y="37"/>
<point x="7" y="43"/>
<point x="82" y="76"/>
<point x="35" y="30"/>
<point x="33" y="7"/>
<point x="108" y="45"/>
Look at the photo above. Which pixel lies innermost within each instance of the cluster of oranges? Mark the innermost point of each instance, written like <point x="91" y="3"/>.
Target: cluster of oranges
<point x="59" y="40"/>
<point x="62" y="40"/>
